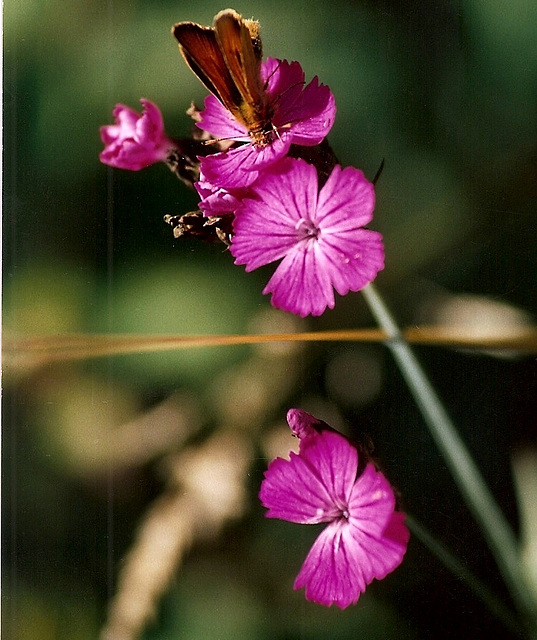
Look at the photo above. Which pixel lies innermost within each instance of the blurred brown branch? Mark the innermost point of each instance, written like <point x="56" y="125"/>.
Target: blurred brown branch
<point x="205" y="491"/>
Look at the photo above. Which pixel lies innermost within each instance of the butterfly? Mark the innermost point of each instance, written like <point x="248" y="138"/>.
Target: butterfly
<point x="227" y="60"/>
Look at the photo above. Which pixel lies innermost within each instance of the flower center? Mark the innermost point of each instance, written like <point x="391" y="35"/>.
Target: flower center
<point x="306" y="230"/>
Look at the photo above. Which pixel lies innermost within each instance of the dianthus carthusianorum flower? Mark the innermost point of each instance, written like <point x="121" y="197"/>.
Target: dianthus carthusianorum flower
<point x="301" y="115"/>
<point x="136" y="140"/>
<point x="365" y="537"/>
<point x="317" y="235"/>
<point x="215" y="201"/>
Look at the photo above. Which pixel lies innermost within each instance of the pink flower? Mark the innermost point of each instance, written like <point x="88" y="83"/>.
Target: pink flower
<point x="365" y="537"/>
<point x="302" y="115"/>
<point x="136" y="140"/>
<point x="215" y="201"/>
<point x="317" y="235"/>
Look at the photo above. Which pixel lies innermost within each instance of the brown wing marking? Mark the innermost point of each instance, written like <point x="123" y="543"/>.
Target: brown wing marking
<point x="201" y="52"/>
<point x="235" y="41"/>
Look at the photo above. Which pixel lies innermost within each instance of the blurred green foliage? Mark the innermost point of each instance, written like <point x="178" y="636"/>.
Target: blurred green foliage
<point x="446" y="94"/>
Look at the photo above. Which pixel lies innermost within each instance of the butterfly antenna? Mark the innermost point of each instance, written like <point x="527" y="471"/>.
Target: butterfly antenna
<point x="217" y="140"/>
<point x="270" y="76"/>
<point x="379" y="172"/>
<point x="291" y="87"/>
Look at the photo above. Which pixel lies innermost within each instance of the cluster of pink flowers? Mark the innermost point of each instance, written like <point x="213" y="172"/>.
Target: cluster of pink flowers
<point x="281" y="211"/>
<point x="281" y="205"/>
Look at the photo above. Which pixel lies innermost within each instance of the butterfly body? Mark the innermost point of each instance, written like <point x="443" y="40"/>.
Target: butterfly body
<point x="227" y="60"/>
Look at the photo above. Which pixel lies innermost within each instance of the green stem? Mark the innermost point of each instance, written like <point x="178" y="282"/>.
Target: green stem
<point x="455" y="566"/>
<point x="480" y="501"/>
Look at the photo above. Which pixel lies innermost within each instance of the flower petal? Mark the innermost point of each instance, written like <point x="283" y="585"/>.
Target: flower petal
<point x="265" y="228"/>
<point x="150" y="127"/>
<point x="308" y="113"/>
<point x="220" y="123"/>
<point x="282" y="78"/>
<point x="303" y="424"/>
<point x="388" y="554"/>
<point x="136" y="140"/>
<point x="395" y="539"/>
<point x="311" y="116"/>
<point x="313" y="486"/>
<point x="240" y="167"/>
<point x="300" y="283"/>
<point x="348" y="555"/>
<point x="372" y="502"/>
<point x="331" y="571"/>
<point x="257" y="240"/>
<point x="351" y="259"/>
<point x="215" y="201"/>
<point x="346" y="201"/>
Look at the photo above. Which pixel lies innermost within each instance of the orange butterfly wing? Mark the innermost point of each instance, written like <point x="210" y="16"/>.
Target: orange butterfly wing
<point x="202" y="54"/>
<point x="227" y="59"/>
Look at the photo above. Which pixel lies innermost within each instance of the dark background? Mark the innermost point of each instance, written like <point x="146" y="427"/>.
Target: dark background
<point x="446" y="93"/>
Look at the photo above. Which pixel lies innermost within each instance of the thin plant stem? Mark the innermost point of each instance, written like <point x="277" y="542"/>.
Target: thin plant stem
<point x="480" y="501"/>
<point x="494" y="604"/>
<point x="39" y="350"/>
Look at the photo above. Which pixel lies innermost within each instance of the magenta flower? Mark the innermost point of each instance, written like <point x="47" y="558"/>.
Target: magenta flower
<point x="365" y="537"/>
<point x="317" y="235"/>
<point x="302" y="115"/>
<point x="215" y="201"/>
<point x="136" y="140"/>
